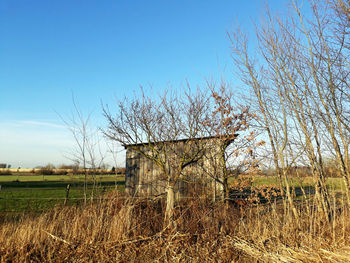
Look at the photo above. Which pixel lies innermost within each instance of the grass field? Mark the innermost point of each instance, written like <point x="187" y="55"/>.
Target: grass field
<point x="29" y="177"/>
<point x="29" y="192"/>
<point x="21" y="191"/>
<point x="334" y="184"/>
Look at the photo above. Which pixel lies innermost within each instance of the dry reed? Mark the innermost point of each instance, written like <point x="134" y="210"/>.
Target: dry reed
<point x="122" y="230"/>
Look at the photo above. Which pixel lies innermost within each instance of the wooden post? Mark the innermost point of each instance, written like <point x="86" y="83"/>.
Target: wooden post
<point x="67" y="194"/>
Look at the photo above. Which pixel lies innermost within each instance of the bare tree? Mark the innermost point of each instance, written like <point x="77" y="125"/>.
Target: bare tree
<point x="300" y="78"/>
<point x="155" y="123"/>
<point x="114" y="151"/>
<point x="87" y="151"/>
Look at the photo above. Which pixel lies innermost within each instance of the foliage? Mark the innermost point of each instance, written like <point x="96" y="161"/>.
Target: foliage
<point x="230" y="123"/>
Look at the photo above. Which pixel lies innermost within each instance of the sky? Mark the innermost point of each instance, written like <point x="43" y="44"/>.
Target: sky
<point x="98" y="51"/>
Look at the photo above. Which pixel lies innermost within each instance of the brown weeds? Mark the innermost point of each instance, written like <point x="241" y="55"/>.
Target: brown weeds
<point x="116" y="229"/>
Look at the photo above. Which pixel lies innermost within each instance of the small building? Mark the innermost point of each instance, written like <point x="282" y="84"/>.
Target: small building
<point x="143" y="177"/>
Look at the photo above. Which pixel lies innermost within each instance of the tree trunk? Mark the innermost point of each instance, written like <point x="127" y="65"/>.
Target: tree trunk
<point x="85" y="185"/>
<point x="226" y="191"/>
<point x="226" y="197"/>
<point x="170" y="204"/>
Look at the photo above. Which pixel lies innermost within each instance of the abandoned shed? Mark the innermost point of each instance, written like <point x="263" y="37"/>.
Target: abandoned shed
<point x="144" y="175"/>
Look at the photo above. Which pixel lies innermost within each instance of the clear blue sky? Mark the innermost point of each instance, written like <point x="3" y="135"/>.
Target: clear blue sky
<point x="99" y="50"/>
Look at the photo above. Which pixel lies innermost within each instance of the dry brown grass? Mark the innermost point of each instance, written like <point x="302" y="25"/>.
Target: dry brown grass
<point x="120" y="230"/>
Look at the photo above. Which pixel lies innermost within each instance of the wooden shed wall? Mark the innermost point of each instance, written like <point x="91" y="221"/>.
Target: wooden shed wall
<point x="144" y="178"/>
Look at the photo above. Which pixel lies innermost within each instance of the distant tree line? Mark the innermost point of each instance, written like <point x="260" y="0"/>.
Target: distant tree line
<point x="4" y="166"/>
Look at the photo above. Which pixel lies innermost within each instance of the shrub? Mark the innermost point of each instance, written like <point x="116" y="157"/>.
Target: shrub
<point x="5" y="172"/>
<point x="60" y="172"/>
<point x="45" y="171"/>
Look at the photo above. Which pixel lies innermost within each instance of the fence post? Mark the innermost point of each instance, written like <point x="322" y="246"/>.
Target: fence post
<point x="67" y="194"/>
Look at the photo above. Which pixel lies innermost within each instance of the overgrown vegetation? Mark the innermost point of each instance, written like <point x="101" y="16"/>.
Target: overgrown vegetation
<point x="124" y="230"/>
<point x="299" y="84"/>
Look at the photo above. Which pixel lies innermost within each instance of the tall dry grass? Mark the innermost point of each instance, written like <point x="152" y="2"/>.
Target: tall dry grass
<point x="121" y="230"/>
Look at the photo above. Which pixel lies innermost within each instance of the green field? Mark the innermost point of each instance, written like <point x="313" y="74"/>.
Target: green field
<point x="334" y="184"/>
<point x="28" y="192"/>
